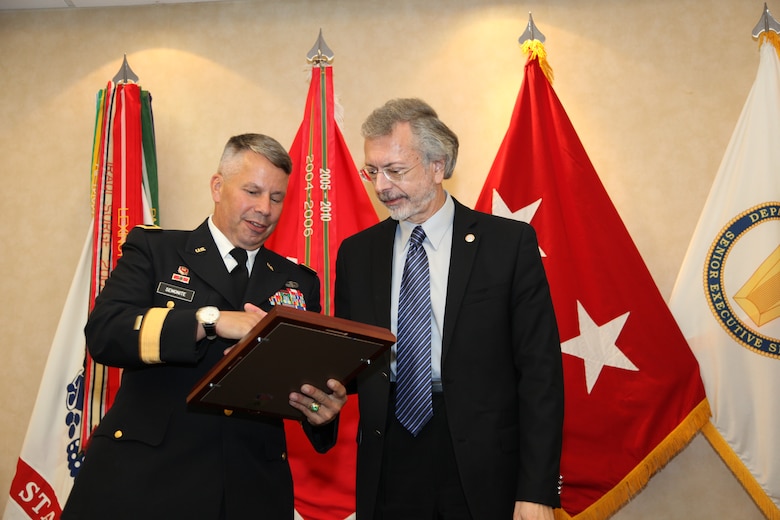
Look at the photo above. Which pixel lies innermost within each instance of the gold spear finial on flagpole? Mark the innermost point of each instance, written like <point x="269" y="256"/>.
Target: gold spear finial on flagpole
<point x="125" y="73"/>
<point x="766" y="23"/>
<point x="531" y="32"/>
<point x="320" y="55"/>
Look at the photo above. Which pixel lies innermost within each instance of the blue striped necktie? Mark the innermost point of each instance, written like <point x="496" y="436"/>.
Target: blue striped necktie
<point x="413" y="401"/>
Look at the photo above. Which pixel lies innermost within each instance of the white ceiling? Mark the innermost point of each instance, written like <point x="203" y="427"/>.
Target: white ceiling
<point x="74" y="4"/>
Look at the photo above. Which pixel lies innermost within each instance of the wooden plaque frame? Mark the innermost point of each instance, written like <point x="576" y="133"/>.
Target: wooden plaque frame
<point x="287" y="348"/>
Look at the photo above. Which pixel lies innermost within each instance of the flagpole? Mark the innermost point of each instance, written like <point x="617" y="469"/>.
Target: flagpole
<point x="766" y="23"/>
<point x="320" y="54"/>
<point x="125" y="73"/>
<point x="531" y="32"/>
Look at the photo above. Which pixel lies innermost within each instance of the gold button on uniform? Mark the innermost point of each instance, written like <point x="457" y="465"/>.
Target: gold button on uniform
<point x="118" y="434"/>
<point x="228" y="412"/>
<point x="284" y="455"/>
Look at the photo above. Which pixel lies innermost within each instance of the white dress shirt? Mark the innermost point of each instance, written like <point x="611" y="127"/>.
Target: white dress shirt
<point x="225" y="247"/>
<point x="438" y="247"/>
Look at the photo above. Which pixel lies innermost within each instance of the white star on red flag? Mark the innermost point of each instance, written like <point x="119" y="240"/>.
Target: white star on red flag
<point x="524" y="214"/>
<point x="596" y="345"/>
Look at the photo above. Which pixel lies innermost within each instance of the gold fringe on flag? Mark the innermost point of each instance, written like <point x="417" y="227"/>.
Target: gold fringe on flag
<point x="734" y="463"/>
<point x="535" y="50"/>
<point x="638" y="478"/>
<point x="772" y="37"/>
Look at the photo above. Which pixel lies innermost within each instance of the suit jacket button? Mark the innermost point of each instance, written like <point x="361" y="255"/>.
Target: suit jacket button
<point x="118" y="434"/>
<point x="228" y="412"/>
<point x="284" y="455"/>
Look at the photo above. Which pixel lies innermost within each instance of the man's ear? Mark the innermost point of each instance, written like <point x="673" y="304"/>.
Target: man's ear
<point x="216" y="186"/>
<point x="438" y="169"/>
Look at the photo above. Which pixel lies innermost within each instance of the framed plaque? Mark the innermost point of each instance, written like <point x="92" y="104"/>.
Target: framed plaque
<point x="287" y="348"/>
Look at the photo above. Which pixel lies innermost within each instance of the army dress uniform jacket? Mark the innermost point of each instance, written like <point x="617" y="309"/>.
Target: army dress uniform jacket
<point x="502" y="373"/>
<point x="151" y="457"/>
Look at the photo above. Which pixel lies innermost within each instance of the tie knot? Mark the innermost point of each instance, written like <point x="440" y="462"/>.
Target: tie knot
<point x="240" y="255"/>
<point x="418" y="235"/>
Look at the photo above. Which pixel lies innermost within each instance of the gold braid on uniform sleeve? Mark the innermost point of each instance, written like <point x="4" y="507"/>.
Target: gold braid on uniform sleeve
<point x="149" y="336"/>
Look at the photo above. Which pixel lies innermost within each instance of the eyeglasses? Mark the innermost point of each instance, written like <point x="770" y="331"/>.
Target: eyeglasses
<point x="369" y="173"/>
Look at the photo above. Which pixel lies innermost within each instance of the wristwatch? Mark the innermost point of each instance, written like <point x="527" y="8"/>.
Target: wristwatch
<point x="208" y="316"/>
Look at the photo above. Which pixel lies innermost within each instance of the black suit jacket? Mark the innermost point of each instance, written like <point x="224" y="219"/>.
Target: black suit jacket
<point x="151" y="457"/>
<point x="501" y="362"/>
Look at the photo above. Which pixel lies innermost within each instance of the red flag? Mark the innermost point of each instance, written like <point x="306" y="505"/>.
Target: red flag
<point x="326" y="202"/>
<point x="634" y="397"/>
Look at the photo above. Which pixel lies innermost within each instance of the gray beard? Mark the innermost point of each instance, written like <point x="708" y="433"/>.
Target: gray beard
<point x="407" y="211"/>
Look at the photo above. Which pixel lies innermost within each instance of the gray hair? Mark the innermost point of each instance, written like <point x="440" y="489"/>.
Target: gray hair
<point x="433" y="139"/>
<point x="261" y="144"/>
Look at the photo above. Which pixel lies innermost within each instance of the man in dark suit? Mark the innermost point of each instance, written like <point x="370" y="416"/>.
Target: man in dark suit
<point x="473" y="431"/>
<point x="167" y="314"/>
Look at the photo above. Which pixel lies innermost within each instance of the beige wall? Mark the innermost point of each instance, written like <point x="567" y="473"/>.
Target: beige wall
<point x="653" y="87"/>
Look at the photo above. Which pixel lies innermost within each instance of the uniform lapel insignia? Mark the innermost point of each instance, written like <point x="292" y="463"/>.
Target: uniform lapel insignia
<point x="181" y="274"/>
<point x="180" y="278"/>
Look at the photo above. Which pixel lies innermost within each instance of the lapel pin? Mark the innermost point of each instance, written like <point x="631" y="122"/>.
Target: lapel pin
<point x="470" y="238"/>
<point x="200" y="249"/>
<point x="269" y="266"/>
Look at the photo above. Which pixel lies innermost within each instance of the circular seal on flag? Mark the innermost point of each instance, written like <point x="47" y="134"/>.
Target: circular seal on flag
<point x="742" y="279"/>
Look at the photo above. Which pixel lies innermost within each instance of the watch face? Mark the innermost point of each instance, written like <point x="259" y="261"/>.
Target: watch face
<point x="208" y="314"/>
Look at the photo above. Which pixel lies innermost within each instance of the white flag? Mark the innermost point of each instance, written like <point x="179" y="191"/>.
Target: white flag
<point x="50" y="455"/>
<point x="727" y="295"/>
